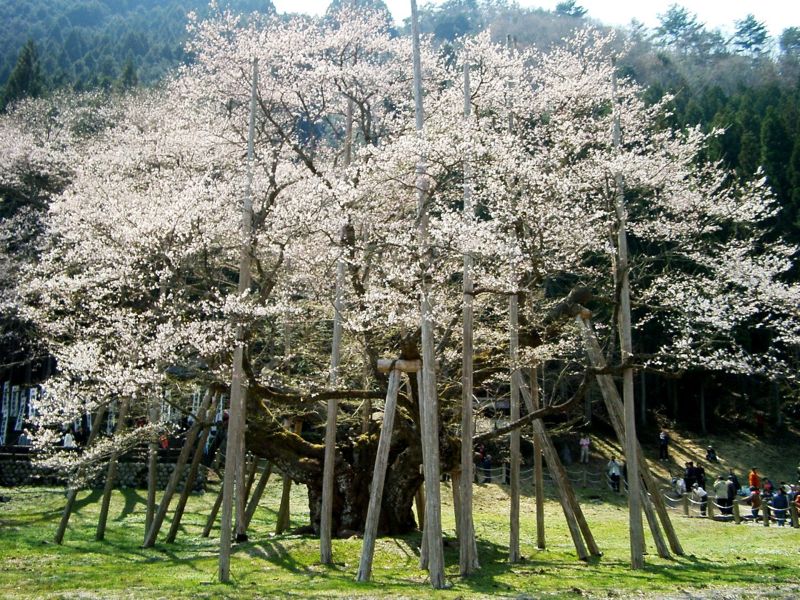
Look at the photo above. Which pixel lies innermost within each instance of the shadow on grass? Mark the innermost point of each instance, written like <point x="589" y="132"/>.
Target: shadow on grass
<point x="132" y="498"/>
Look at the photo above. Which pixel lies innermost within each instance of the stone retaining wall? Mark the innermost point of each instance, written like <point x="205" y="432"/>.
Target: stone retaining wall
<point x="17" y="469"/>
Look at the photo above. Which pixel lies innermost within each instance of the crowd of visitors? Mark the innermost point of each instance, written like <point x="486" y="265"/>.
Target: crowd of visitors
<point x="758" y="492"/>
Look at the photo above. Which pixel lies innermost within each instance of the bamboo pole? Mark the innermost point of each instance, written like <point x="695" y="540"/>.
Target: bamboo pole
<point x="233" y="478"/>
<point x="626" y="350"/>
<point x="538" y="472"/>
<point x="72" y="493"/>
<point x="378" y="478"/>
<point x="430" y="423"/>
<point x="175" y="478"/>
<point x="111" y="475"/>
<point x="467" y="545"/>
<point x="193" y="468"/>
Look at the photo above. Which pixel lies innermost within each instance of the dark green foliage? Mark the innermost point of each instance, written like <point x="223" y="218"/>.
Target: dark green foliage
<point x="751" y="36"/>
<point x="26" y="78"/>
<point x="88" y="43"/>
<point x="570" y="8"/>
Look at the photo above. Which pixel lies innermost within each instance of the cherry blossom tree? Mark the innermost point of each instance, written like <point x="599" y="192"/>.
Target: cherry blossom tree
<point x="139" y="254"/>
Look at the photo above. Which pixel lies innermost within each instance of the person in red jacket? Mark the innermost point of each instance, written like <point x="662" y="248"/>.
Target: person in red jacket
<point x="753" y="480"/>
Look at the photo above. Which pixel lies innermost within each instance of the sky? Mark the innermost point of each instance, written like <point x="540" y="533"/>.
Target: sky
<point x="716" y="14"/>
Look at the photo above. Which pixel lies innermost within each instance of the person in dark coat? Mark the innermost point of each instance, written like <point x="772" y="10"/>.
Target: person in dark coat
<point x="779" y="504"/>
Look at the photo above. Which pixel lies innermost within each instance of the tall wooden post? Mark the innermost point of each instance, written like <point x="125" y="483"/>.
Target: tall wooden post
<point x="326" y="514"/>
<point x="626" y="350"/>
<point x="538" y="472"/>
<point x="468" y="556"/>
<point x="513" y="546"/>
<point x="234" y="473"/>
<point x="430" y="421"/>
<point x="152" y="466"/>
<point x="111" y="474"/>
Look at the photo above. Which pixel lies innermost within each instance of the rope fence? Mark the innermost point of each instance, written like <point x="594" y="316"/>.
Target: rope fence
<point x="688" y="504"/>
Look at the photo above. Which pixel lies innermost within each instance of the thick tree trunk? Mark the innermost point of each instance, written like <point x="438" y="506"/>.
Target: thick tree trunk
<point x="302" y="462"/>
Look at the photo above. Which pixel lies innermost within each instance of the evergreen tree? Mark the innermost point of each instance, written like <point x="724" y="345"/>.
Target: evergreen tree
<point x="570" y="8"/>
<point x="751" y="36"/>
<point x="775" y="151"/>
<point x="128" y="79"/>
<point x="679" y="30"/>
<point x="26" y="78"/>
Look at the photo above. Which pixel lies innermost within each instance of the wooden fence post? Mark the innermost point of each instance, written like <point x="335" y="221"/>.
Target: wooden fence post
<point x="737" y="518"/>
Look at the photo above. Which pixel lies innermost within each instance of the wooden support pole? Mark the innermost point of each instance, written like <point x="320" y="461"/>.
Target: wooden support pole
<point x="467" y="545"/>
<point x="111" y="474"/>
<point x="767" y="513"/>
<point x="712" y="506"/>
<point x="686" y="505"/>
<point x="152" y="466"/>
<point x="175" y="478"/>
<point x="455" y="480"/>
<point x="326" y="513"/>
<point x="234" y="447"/>
<point x="622" y="267"/>
<point x="193" y="468"/>
<point x="615" y="410"/>
<point x="793" y="515"/>
<point x="513" y="545"/>
<point x="257" y="493"/>
<point x="378" y="478"/>
<point x="419" y="502"/>
<point x="284" y="512"/>
<point x="212" y="516"/>
<point x="538" y="471"/>
<point x="737" y="517"/>
<point x="251" y="477"/>
<point x="72" y="493"/>
<point x="560" y="479"/>
<point x="430" y="418"/>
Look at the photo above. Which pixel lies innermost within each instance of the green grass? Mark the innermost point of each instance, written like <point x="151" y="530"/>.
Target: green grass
<point x="747" y="559"/>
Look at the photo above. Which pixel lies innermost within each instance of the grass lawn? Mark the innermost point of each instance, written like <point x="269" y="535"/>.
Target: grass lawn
<point x="743" y="560"/>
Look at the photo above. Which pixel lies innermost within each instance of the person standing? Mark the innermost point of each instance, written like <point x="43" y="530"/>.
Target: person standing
<point x="701" y="496"/>
<point x="613" y="472"/>
<point x="754" y="500"/>
<point x="722" y="496"/>
<point x="69" y="440"/>
<point x="753" y="479"/>
<point x="690" y="475"/>
<point x="584" y="443"/>
<point x="779" y="505"/>
<point x="663" y="445"/>
<point x="735" y="480"/>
